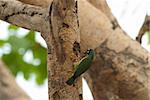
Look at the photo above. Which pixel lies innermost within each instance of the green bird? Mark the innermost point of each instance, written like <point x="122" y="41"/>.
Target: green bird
<point x="82" y="66"/>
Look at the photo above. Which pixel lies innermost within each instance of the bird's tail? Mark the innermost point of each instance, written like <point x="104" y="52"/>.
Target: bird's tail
<point x="71" y="80"/>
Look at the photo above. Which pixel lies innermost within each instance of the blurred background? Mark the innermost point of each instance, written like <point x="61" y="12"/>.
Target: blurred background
<point x="24" y="51"/>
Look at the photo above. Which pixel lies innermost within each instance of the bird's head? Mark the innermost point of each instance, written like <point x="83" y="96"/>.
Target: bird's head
<point x="91" y="52"/>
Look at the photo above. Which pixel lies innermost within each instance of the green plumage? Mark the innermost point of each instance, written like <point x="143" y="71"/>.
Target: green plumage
<point x="83" y="66"/>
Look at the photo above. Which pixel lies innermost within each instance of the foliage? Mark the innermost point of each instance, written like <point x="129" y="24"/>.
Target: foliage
<point x="148" y="33"/>
<point x="20" y="46"/>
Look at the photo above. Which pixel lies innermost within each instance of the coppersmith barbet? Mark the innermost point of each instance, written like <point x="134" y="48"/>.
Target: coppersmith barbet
<point x="82" y="66"/>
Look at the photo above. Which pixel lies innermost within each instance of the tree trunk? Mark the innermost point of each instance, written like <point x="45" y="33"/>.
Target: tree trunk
<point x="9" y="90"/>
<point x="126" y="66"/>
<point x="121" y="68"/>
<point x="63" y="50"/>
<point x="121" y="71"/>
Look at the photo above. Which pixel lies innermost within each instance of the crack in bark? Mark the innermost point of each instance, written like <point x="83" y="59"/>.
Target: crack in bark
<point x="4" y="4"/>
<point x="114" y="24"/>
<point x="65" y="25"/>
<point x="76" y="6"/>
<point x="56" y="96"/>
<point x="80" y="97"/>
<point x="51" y="29"/>
<point x="76" y="48"/>
<point x="22" y="11"/>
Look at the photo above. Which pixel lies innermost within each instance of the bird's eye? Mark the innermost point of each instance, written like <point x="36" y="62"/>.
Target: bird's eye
<point x="88" y="51"/>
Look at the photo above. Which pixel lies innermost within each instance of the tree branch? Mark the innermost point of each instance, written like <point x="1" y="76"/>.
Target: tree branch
<point x="103" y="6"/>
<point x="144" y="28"/>
<point x="23" y="15"/>
<point x="44" y="3"/>
<point x="8" y="86"/>
<point x="38" y="22"/>
<point x="113" y="75"/>
<point x="121" y="69"/>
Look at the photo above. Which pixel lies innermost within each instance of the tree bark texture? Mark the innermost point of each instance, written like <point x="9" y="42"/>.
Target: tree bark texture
<point x="103" y="6"/>
<point x="64" y="50"/>
<point x="121" y="68"/>
<point x="9" y="90"/>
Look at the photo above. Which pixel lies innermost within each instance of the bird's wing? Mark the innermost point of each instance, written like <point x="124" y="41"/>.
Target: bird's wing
<point x="76" y="64"/>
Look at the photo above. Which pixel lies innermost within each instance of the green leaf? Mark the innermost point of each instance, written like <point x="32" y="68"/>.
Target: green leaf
<point x="12" y="60"/>
<point x="15" y="62"/>
<point x="17" y="43"/>
<point x="2" y="42"/>
<point x="30" y="36"/>
<point x="13" y="27"/>
<point x="40" y="53"/>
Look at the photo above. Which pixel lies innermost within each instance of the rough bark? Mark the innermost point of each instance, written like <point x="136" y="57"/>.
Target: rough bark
<point x="39" y="20"/>
<point x="128" y="86"/>
<point x="26" y="16"/>
<point x="121" y="69"/>
<point x="9" y="90"/>
<point x="63" y="47"/>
